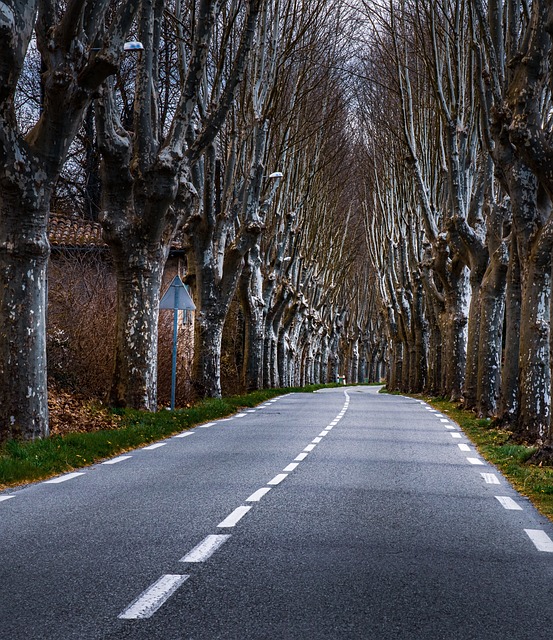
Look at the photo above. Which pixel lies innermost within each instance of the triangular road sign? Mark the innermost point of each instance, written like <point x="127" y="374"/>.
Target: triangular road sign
<point x="177" y="297"/>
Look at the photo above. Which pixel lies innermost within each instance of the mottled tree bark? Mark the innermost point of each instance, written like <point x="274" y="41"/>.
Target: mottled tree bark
<point x="29" y="167"/>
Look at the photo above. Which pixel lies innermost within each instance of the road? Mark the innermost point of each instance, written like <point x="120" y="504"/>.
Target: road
<point x="340" y="514"/>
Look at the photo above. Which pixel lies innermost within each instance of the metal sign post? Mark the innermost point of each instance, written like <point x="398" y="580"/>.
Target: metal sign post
<point x="177" y="298"/>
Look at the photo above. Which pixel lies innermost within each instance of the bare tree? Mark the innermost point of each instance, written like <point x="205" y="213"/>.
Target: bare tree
<point x="78" y="52"/>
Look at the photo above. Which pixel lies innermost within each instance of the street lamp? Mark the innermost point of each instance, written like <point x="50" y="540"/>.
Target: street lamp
<point x="134" y="45"/>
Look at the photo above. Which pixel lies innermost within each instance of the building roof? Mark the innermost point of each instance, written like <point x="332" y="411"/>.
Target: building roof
<point x="71" y="231"/>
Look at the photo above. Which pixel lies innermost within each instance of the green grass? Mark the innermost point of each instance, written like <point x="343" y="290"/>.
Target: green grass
<point x="533" y="481"/>
<point x="22" y="462"/>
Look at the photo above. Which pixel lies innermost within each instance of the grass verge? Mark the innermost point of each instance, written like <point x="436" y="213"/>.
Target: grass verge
<point x="533" y="481"/>
<point x="22" y="462"/>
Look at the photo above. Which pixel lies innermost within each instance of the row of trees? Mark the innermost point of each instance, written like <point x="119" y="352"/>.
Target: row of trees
<point x="458" y="134"/>
<point x="371" y="183"/>
<point x="228" y="132"/>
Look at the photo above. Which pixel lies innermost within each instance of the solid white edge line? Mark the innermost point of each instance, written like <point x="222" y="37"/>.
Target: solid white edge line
<point x="540" y="539"/>
<point x="154" y="446"/>
<point x="302" y="456"/>
<point x="234" y="517"/>
<point x="68" y="476"/>
<point x="291" y="466"/>
<point x="206" y="548"/>
<point x="4" y="498"/>
<point x="257" y="495"/>
<point x="490" y="478"/>
<point x="149" y="601"/>
<point x="116" y="460"/>
<point x="277" y="479"/>
<point x="508" y="503"/>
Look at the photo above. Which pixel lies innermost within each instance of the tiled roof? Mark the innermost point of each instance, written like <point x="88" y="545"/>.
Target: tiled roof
<point x="68" y="231"/>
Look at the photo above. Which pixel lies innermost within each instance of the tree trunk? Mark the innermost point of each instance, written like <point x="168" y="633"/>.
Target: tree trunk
<point x="492" y="300"/>
<point x="456" y="303"/>
<point x="23" y="261"/>
<point x="250" y="290"/>
<point x="206" y="369"/>
<point x="508" y="402"/>
<point x="139" y="274"/>
<point x="534" y="415"/>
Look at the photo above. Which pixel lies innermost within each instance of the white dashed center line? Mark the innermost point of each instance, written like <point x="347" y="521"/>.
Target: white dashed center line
<point x="206" y="548"/>
<point x="256" y="497"/>
<point x="291" y="466"/>
<point x="310" y="447"/>
<point x="277" y="479"/>
<point x="151" y="600"/>
<point x="540" y="539"/>
<point x="234" y="517"/>
<point x="68" y="476"/>
<point x="316" y="440"/>
<point x="301" y="457"/>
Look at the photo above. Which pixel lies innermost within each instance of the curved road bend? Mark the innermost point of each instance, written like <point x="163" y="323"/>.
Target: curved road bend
<point x="340" y="514"/>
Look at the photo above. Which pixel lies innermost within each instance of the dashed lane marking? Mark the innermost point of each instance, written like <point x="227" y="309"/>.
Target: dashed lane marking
<point x="291" y="466"/>
<point x="256" y="496"/>
<point x="301" y="457"/>
<point x="4" y="498"/>
<point x="67" y="476"/>
<point x="206" y="425"/>
<point x="234" y="517"/>
<point x="316" y="440"/>
<point x="490" y="478"/>
<point x="464" y="447"/>
<point x="508" y="503"/>
<point x="116" y="460"/>
<point x="475" y="461"/>
<point x="277" y="479"/>
<point x="151" y="600"/>
<point x="154" y="446"/>
<point x="310" y="447"/>
<point x="184" y="435"/>
<point x="455" y="435"/>
<point x="540" y="539"/>
<point x="207" y="547"/>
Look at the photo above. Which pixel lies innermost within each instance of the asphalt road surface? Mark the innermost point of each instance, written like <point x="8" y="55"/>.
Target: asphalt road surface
<point x="340" y="514"/>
